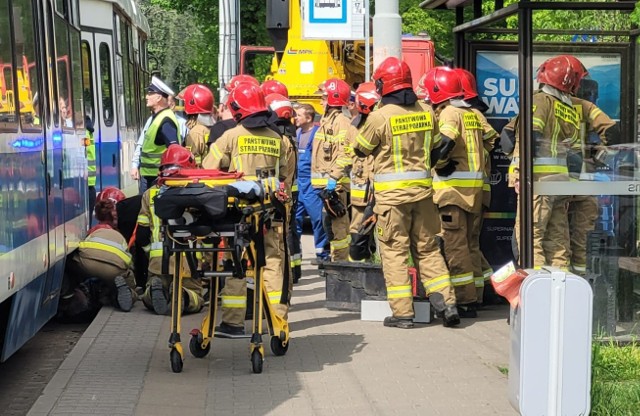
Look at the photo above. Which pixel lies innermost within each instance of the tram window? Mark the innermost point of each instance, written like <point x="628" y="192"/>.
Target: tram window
<point x="64" y="73"/>
<point x="106" y="84"/>
<point x="25" y="59"/>
<point x="62" y="7"/>
<point x="76" y="80"/>
<point x="7" y="95"/>
<point x="87" y="80"/>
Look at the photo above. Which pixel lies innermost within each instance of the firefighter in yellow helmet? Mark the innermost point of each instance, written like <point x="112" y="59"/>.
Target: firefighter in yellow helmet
<point x="234" y="152"/>
<point x="401" y="135"/>
<point x="458" y="181"/>
<point x="156" y="296"/>
<point x="198" y="106"/>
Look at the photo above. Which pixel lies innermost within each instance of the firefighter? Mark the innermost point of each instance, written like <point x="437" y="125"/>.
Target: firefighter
<point x="156" y="295"/>
<point x="282" y="112"/>
<point x="274" y="87"/>
<point x="489" y="136"/>
<point x="309" y="200"/>
<point x="90" y="151"/>
<point x="329" y="163"/>
<point x="458" y="181"/>
<point x="198" y="105"/>
<point x="162" y="132"/>
<point x="586" y="156"/>
<point x="233" y="152"/>
<point x="362" y="219"/>
<point x="401" y="135"/>
<point x="103" y="254"/>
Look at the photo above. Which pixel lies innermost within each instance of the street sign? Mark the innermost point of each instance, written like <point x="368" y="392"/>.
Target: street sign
<point x="334" y="19"/>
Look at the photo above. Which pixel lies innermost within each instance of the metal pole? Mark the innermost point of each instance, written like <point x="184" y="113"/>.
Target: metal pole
<point x="367" y="43"/>
<point x="387" y="31"/>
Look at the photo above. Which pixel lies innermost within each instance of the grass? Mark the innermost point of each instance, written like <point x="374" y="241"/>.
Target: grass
<point x="615" y="385"/>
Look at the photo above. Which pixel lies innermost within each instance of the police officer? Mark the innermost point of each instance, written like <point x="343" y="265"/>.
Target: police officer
<point x="401" y="135"/>
<point x="198" y="105"/>
<point x="330" y="162"/>
<point x="366" y="98"/>
<point x="103" y="254"/>
<point x="234" y="152"/>
<point x="458" y="181"/>
<point x="162" y="132"/>
<point x="489" y="136"/>
<point x="156" y="294"/>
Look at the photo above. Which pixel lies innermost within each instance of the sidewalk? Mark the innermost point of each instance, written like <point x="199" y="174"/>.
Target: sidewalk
<point x="336" y="365"/>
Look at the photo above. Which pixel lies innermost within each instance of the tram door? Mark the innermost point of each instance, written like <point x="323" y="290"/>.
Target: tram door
<point x="99" y="50"/>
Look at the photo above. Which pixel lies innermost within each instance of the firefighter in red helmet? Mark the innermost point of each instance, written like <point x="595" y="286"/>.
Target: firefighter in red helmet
<point x="274" y="87"/>
<point x="156" y="295"/>
<point x="231" y="151"/>
<point x="489" y="136"/>
<point x="198" y="106"/>
<point x="240" y="79"/>
<point x="459" y="166"/>
<point x="401" y="135"/>
<point x="330" y="162"/>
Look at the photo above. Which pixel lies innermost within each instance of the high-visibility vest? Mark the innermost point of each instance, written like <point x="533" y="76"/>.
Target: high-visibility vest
<point x="151" y="152"/>
<point x="91" y="158"/>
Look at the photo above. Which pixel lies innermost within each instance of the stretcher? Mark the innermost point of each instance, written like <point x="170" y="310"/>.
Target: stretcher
<point x="199" y="210"/>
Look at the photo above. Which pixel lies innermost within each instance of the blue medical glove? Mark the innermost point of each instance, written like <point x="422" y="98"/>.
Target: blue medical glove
<point x="331" y="184"/>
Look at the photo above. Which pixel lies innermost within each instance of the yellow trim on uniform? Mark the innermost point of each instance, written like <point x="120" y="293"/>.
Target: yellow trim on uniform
<point x="438" y="283"/>
<point x="460" y="183"/>
<point x="462" y="279"/>
<point x="274" y="297"/>
<point x="399" y="292"/>
<point x="124" y="256"/>
<point x="364" y="142"/>
<point x="391" y="185"/>
<point x="479" y="281"/>
<point x="234" y="302"/>
<point x="217" y="153"/>
<point x="340" y="244"/>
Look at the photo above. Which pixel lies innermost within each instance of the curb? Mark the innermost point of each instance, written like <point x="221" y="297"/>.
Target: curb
<point x="54" y="389"/>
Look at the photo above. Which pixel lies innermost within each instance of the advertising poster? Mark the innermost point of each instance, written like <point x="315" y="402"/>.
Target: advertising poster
<point x="333" y="19"/>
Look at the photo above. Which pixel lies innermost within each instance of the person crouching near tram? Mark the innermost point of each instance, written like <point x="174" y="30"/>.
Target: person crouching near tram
<point x="401" y="134"/>
<point x="198" y="105"/>
<point x="103" y="255"/>
<point x="156" y="295"/>
<point x="234" y="151"/>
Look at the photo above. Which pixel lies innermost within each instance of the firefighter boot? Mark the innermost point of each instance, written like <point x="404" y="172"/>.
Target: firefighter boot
<point x="393" y="322"/>
<point x="124" y="297"/>
<point x="470" y="310"/>
<point x="448" y="313"/>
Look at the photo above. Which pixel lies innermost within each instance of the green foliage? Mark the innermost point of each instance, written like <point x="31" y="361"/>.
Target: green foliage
<point x="615" y="387"/>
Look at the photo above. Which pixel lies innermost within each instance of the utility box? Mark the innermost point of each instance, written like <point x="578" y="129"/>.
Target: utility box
<point x="551" y="328"/>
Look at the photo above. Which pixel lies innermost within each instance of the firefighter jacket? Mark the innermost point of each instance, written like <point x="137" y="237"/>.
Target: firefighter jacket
<point x="489" y="137"/>
<point x="196" y="140"/>
<point x="555" y="129"/>
<point x="148" y="218"/>
<point x="514" y="166"/>
<point x="108" y="246"/>
<point x="329" y="156"/>
<point x="288" y="134"/>
<point x="361" y="170"/>
<point x="151" y="152"/>
<point x="463" y="188"/>
<point x="241" y="149"/>
<point x="91" y="157"/>
<point x="400" y="139"/>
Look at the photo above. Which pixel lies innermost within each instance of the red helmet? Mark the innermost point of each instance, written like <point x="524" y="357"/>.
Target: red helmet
<point x="366" y="97"/>
<point x="421" y="89"/>
<point x="338" y="92"/>
<point x="240" y="79"/>
<point x="563" y="72"/>
<point x="392" y="75"/>
<point x="198" y="99"/>
<point x="246" y="99"/>
<point x="468" y="83"/>
<point x="175" y="158"/>
<point x="274" y="87"/>
<point x="442" y="83"/>
<point x="280" y="105"/>
<point x="112" y="193"/>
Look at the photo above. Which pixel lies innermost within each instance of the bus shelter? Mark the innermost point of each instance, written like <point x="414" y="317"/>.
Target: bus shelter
<point x="504" y="49"/>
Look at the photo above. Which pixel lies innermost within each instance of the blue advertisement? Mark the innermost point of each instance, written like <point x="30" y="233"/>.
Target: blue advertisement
<point x="497" y="78"/>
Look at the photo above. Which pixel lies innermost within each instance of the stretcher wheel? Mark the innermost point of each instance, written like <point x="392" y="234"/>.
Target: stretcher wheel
<point x="256" y="362"/>
<point x="176" y="361"/>
<point x="277" y="346"/>
<point x="195" y="346"/>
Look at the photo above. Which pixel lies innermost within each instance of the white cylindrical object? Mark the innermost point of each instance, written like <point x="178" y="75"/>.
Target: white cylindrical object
<point x="229" y="47"/>
<point x="387" y="31"/>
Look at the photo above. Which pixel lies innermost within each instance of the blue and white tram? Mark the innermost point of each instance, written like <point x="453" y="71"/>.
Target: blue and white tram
<point x="50" y="79"/>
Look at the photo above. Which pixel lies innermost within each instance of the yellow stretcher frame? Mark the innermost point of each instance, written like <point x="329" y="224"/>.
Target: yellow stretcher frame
<point x="181" y="241"/>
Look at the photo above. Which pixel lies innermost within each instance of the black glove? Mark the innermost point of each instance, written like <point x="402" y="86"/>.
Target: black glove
<point x="369" y="220"/>
<point x="335" y="208"/>
<point x="447" y="169"/>
<point x="574" y="162"/>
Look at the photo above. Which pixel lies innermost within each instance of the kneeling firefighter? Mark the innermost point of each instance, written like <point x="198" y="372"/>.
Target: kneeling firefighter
<point x="234" y="152"/>
<point x="156" y="295"/>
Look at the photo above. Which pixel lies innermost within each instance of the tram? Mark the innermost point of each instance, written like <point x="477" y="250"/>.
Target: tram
<point x="100" y="71"/>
